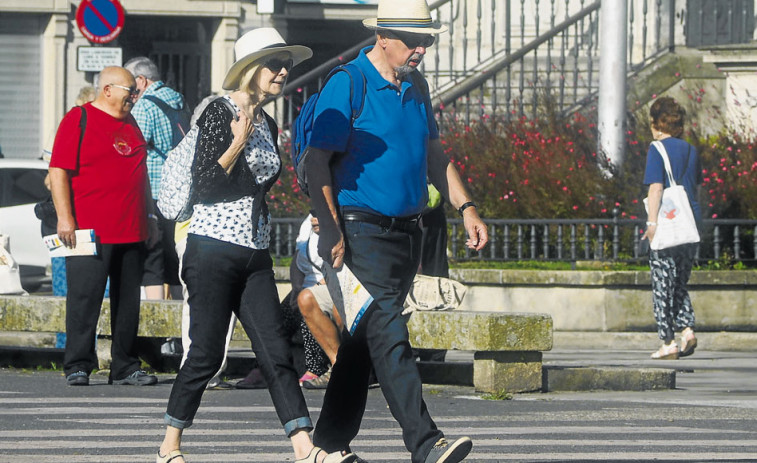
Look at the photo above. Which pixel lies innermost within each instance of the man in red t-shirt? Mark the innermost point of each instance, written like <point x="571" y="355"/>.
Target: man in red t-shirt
<point x="99" y="181"/>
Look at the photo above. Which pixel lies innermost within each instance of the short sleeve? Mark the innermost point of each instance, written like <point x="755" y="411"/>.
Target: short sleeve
<point x="333" y="113"/>
<point x="144" y="118"/>
<point x="655" y="170"/>
<point x="65" y="153"/>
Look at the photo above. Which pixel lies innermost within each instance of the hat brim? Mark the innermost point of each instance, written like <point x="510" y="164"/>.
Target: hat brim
<point x="299" y="54"/>
<point x="435" y="28"/>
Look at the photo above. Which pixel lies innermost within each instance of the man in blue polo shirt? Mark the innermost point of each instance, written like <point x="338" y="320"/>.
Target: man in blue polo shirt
<point x="368" y="204"/>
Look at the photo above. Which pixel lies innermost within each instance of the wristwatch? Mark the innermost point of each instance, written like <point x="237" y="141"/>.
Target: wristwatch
<point x="465" y="206"/>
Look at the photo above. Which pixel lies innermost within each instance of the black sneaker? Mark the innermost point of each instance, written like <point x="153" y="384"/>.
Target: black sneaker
<point x="138" y="378"/>
<point x="444" y="452"/>
<point x="79" y="378"/>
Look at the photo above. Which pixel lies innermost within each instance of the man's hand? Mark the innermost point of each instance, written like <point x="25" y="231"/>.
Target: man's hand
<point x="67" y="231"/>
<point x="478" y="235"/>
<point x="331" y="243"/>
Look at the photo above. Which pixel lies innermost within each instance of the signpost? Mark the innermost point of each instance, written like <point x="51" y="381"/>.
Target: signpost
<point x="100" y="21"/>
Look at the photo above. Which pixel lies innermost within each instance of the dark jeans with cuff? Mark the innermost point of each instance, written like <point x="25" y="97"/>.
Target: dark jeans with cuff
<point x="222" y="276"/>
<point x="385" y="261"/>
<point x="86" y="280"/>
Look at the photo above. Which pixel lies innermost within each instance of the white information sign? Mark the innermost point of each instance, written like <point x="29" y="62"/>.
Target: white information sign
<point x="95" y="59"/>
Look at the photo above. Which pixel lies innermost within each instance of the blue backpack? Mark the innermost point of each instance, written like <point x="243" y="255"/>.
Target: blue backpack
<point x="302" y="129"/>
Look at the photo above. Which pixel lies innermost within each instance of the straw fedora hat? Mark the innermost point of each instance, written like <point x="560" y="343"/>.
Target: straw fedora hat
<point x="404" y="16"/>
<point x="257" y="44"/>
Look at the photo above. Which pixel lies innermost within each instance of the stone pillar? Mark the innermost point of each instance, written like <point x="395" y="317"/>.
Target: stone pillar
<point x="53" y="73"/>
<point x="222" y="52"/>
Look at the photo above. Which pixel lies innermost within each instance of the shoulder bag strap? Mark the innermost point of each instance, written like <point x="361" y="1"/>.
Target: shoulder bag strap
<point x="664" y="154"/>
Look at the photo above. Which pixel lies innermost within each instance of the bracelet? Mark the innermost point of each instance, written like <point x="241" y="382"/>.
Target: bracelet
<point x="465" y="206"/>
<point x="152" y="216"/>
<point x="651" y="224"/>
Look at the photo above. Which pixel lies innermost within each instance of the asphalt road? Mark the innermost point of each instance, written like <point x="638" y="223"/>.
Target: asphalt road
<point x="711" y="416"/>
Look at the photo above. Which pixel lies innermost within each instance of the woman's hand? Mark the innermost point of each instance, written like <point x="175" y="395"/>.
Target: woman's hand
<point x="649" y="234"/>
<point x="242" y="128"/>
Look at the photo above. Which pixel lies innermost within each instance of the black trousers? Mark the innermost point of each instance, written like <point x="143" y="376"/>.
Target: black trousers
<point x="222" y="277"/>
<point x="385" y="261"/>
<point x="86" y="278"/>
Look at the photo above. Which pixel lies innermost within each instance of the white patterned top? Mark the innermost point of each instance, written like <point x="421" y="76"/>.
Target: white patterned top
<point x="232" y="221"/>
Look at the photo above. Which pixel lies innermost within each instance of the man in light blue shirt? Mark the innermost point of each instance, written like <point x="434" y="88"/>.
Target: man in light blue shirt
<point x="161" y="263"/>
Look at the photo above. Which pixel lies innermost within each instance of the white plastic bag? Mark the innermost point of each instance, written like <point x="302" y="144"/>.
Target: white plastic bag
<point x="10" y="279"/>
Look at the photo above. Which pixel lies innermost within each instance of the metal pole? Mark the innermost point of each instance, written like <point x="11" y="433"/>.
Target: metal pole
<point x="612" y="78"/>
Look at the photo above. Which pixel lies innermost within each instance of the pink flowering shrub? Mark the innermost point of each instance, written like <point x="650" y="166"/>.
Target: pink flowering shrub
<point x="550" y="168"/>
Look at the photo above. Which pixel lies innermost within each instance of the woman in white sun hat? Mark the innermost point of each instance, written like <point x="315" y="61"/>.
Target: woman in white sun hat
<point x="227" y="265"/>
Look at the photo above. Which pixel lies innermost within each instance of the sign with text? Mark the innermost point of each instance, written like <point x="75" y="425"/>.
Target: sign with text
<point x="95" y="59"/>
<point x="100" y="21"/>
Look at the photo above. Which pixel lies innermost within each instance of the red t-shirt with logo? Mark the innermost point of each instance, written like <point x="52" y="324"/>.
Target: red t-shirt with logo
<point x="108" y="175"/>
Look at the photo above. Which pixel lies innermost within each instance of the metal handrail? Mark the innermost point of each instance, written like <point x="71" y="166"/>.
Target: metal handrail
<point x="475" y="81"/>
<point x="321" y="70"/>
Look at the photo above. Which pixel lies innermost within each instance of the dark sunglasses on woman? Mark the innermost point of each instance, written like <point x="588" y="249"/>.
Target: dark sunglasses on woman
<point x="276" y="64"/>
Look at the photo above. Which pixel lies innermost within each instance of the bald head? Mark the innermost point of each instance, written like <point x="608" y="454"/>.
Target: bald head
<point x="117" y="91"/>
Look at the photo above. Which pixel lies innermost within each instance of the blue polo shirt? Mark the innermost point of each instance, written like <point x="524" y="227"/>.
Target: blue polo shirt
<point x="689" y="175"/>
<point x="384" y="168"/>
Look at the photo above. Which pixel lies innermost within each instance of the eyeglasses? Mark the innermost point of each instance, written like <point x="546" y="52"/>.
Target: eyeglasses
<point x="413" y="41"/>
<point x="132" y="90"/>
<point x="276" y="64"/>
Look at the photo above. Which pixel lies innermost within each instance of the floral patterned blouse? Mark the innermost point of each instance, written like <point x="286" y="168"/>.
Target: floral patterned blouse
<point x="226" y="206"/>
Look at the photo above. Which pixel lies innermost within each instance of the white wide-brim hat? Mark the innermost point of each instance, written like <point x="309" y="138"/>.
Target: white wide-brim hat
<point x="257" y="44"/>
<point x="405" y="16"/>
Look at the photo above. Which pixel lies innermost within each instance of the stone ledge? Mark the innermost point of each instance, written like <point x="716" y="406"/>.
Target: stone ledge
<point x="575" y="379"/>
<point x="481" y="331"/>
<point x="703" y="278"/>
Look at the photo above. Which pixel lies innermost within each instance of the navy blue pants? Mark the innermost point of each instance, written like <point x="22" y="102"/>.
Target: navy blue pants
<point x="385" y="261"/>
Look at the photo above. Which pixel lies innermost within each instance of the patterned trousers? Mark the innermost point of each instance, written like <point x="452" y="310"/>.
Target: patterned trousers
<point x="671" y="269"/>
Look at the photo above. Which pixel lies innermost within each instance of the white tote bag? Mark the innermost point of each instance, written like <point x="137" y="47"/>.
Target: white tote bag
<point x="675" y="221"/>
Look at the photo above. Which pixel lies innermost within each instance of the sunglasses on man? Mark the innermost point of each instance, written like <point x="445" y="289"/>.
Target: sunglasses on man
<point x="133" y="91"/>
<point x="413" y="41"/>
<point x="277" y="64"/>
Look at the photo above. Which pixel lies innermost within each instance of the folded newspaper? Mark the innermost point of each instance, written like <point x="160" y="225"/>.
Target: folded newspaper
<point x="85" y="244"/>
<point x="349" y="295"/>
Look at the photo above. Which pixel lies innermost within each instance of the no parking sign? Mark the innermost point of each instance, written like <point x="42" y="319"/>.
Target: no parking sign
<point x="100" y="21"/>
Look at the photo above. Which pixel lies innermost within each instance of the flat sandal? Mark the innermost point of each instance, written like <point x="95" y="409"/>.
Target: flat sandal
<point x="171" y="456"/>
<point x="335" y="457"/>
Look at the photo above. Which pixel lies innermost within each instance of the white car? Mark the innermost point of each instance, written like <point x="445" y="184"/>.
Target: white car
<point x="22" y="186"/>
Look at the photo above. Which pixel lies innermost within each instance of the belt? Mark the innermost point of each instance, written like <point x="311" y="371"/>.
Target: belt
<point x="406" y="224"/>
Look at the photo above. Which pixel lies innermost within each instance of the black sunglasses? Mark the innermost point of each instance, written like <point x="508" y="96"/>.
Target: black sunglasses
<point x="413" y="41"/>
<point x="276" y="64"/>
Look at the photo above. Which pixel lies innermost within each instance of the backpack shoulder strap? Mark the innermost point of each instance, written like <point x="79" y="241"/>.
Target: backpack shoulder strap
<point x="160" y="103"/>
<point x="229" y="106"/>
<point x="357" y="87"/>
<point x="82" y="127"/>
